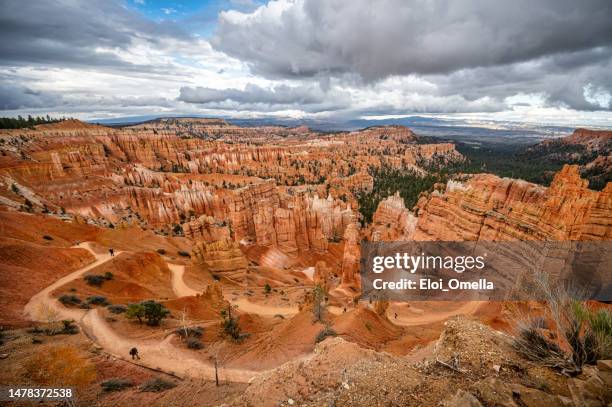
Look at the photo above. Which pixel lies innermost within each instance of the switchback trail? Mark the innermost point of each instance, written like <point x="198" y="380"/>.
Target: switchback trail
<point x="156" y="354"/>
<point x="178" y="282"/>
<point x="426" y="318"/>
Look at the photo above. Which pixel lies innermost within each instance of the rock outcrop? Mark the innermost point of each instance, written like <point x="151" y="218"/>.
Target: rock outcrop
<point x="491" y="208"/>
<point x="220" y="256"/>
<point x="392" y="221"/>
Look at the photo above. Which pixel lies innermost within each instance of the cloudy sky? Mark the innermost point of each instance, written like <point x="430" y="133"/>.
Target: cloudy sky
<point x="544" y="61"/>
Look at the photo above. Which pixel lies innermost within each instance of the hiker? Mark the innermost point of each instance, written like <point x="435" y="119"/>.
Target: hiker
<point x="134" y="354"/>
<point x="396" y="315"/>
<point x="111" y="251"/>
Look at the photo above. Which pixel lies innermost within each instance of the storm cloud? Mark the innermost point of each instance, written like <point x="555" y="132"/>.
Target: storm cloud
<point x="14" y="97"/>
<point x="397" y="37"/>
<point x="327" y="59"/>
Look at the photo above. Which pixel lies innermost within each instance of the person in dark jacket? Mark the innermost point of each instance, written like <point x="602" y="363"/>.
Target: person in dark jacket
<point x="134" y="353"/>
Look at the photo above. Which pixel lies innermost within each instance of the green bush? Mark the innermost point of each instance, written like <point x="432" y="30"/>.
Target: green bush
<point x="69" y="299"/>
<point x="152" y="311"/>
<point x="97" y="300"/>
<point x="117" y="309"/>
<point x="116" y="384"/>
<point x="94" y="280"/>
<point x="231" y="327"/>
<point x="157" y="385"/>
<point x="194" y="343"/>
<point x="108" y="275"/>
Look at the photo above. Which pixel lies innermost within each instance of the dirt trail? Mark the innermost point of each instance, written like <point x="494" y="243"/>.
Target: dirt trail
<point x="428" y="317"/>
<point x="157" y="354"/>
<point x="181" y="289"/>
<point x="262" y="309"/>
<point x="43" y="307"/>
<point x="178" y="283"/>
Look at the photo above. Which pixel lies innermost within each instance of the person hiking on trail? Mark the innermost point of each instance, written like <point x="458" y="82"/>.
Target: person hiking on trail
<point x="134" y="354"/>
<point x="396" y="315"/>
<point x="111" y="251"/>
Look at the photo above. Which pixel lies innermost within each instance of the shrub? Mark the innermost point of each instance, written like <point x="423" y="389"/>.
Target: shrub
<point x="326" y="332"/>
<point x="194" y="343"/>
<point x="231" y="327"/>
<point x="157" y="385"/>
<point x="47" y="237"/>
<point x="117" y="309"/>
<point x="135" y="310"/>
<point x="84" y="305"/>
<point x="183" y="253"/>
<point x="108" y="275"/>
<point x="161" y="251"/>
<point x="69" y="327"/>
<point x="190" y="332"/>
<point x="94" y="279"/>
<point x="152" y="311"/>
<point x="97" y="300"/>
<point x="585" y="333"/>
<point x="69" y="299"/>
<point x="267" y="289"/>
<point x="116" y="384"/>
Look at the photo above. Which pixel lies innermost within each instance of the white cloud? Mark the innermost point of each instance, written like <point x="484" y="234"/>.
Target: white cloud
<point x="597" y="96"/>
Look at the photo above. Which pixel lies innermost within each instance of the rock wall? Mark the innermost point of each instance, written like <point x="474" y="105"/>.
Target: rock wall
<point x="491" y="208"/>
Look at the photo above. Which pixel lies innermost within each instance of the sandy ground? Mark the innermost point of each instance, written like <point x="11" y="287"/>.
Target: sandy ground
<point x="43" y="307"/>
<point x="266" y="310"/>
<point x="163" y="355"/>
<point x="178" y="283"/>
<point x="154" y="354"/>
<point x="413" y="316"/>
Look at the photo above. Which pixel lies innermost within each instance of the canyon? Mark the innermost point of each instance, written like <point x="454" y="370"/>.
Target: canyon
<point x="264" y="223"/>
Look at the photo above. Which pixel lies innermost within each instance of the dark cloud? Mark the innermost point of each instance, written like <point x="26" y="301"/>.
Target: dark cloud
<point x="396" y="37"/>
<point x="561" y="78"/>
<point x="75" y="32"/>
<point x="19" y="97"/>
<point x="13" y="97"/>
